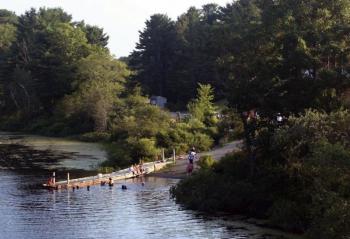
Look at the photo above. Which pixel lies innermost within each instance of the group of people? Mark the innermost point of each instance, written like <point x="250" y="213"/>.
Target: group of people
<point x="191" y="159"/>
<point x="137" y="169"/>
<point x="110" y="182"/>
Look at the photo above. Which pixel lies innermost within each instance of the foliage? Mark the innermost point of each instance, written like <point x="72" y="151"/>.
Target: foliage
<point x="95" y="137"/>
<point x="94" y="34"/>
<point x="106" y="170"/>
<point x="276" y="56"/>
<point x="143" y="149"/>
<point x="172" y="57"/>
<point x="230" y="126"/>
<point x="202" y="108"/>
<point x="7" y="35"/>
<point x="301" y="181"/>
<point x="205" y="162"/>
<point x="154" y="54"/>
<point x="117" y="155"/>
<point x="100" y="81"/>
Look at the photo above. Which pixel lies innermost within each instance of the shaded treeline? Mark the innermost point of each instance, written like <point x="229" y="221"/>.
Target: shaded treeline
<point x="278" y="56"/>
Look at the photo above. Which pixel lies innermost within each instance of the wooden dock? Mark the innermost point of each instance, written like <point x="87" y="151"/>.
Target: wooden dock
<point x="104" y="178"/>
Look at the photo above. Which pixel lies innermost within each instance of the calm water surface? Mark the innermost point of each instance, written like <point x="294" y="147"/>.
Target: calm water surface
<point x="28" y="211"/>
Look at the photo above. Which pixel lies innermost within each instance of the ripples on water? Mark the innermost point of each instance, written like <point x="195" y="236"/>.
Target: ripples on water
<point x="27" y="211"/>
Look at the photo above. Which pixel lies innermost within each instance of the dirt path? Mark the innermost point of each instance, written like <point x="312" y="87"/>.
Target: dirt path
<point x="179" y="169"/>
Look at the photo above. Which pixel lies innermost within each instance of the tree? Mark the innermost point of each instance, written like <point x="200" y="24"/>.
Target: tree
<point x="196" y="53"/>
<point x="284" y="56"/>
<point x="100" y="82"/>
<point x="203" y="108"/>
<point x="94" y="34"/>
<point x="8" y="17"/>
<point x="154" y="54"/>
<point x="7" y="38"/>
<point x="47" y="49"/>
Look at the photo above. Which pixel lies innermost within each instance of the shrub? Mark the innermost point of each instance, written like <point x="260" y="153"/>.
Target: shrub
<point x="118" y="155"/>
<point x="206" y="162"/>
<point x="95" y="137"/>
<point x="143" y="148"/>
<point x="201" y="141"/>
<point x="105" y="169"/>
<point x="300" y="182"/>
<point x="230" y="127"/>
<point x="334" y="224"/>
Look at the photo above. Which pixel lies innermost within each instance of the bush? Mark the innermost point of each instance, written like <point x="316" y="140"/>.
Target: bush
<point x="289" y="215"/>
<point x="105" y="169"/>
<point x="118" y="155"/>
<point x="230" y="127"/>
<point x="206" y="162"/>
<point x="95" y="137"/>
<point x="143" y="149"/>
<point x="334" y="224"/>
<point x="201" y="141"/>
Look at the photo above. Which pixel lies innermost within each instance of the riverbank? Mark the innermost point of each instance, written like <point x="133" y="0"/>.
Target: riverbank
<point x="179" y="169"/>
<point x="296" y="177"/>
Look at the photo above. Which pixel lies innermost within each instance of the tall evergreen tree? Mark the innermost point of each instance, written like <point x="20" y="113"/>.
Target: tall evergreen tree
<point x="197" y="50"/>
<point x="154" y="54"/>
<point x="94" y="34"/>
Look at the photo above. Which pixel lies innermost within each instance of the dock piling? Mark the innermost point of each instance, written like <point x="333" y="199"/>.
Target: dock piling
<point x="174" y="156"/>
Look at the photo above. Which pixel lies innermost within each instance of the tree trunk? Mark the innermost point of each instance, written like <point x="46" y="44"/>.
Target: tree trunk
<point x="249" y="144"/>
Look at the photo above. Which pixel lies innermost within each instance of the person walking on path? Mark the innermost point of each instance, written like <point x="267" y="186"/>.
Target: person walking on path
<point x="192" y="155"/>
<point x="191" y="159"/>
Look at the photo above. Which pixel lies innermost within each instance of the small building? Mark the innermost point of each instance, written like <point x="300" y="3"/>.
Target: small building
<point x="158" y="101"/>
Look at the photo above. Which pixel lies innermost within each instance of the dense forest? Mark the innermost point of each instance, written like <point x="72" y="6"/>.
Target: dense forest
<point x="284" y="66"/>
<point x="58" y="78"/>
<point x="248" y="62"/>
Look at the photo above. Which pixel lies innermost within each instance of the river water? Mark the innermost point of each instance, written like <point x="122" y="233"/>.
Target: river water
<point x="144" y="210"/>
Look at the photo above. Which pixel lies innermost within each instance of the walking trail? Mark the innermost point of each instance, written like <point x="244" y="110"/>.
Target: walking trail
<point x="179" y="169"/>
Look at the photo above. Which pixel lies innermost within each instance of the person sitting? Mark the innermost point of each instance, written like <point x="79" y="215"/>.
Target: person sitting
<point x="142" y="170"/>
<point x="131" y="170"/>
<point x="50" y="182"/>
<point x="137" y="170"/>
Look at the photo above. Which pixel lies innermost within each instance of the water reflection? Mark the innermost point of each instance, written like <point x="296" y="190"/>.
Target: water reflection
<point x="145" y="210"/>
<point x="30" y="151"/>
<point x="103" y="212"/>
